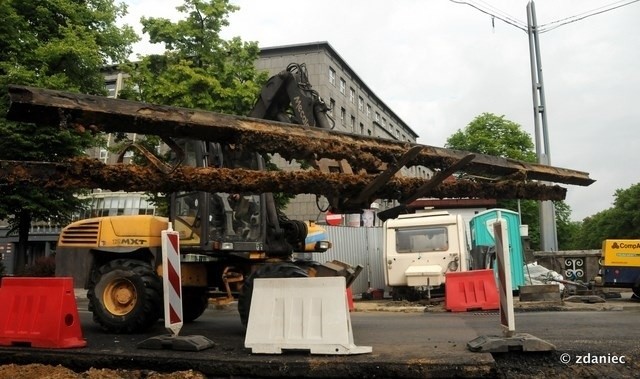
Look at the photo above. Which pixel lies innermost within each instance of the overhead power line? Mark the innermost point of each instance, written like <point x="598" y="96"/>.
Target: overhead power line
<point x="504" y="17"/>
<point x="548" y="27"/>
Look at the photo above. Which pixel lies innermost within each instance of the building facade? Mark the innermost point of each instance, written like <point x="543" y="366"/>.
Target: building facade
<point x="354" y="107"/>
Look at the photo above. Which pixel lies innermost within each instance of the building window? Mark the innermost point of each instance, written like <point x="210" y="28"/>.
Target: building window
<point x="332" y="104"/>
<point x="332" y="76"/>
<point x="377" y="117"/>
<point x="360" y="104"/>
<point x="343" y="86"/>
<point x="361" y="128"/>
<point x="384" y="121"/>
<point x="343" y="115"/>
<point x="353" y="124"/>
<point x="352" y="95"/>
<point x="111" y="89"/>
<point x="368" y="111"/>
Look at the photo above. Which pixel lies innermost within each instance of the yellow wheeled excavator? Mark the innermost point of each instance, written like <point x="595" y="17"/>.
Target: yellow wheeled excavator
<point x="221" y="200"/>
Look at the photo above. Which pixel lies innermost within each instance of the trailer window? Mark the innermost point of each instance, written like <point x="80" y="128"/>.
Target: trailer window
<point x="412" y="240"/>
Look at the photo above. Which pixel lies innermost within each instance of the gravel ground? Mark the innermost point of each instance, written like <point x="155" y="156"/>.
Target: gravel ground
<point x="511" y="365"/>
<point x="515" y="365"/>
<point x="549" y="365"/>
<point x="38" y="371"/>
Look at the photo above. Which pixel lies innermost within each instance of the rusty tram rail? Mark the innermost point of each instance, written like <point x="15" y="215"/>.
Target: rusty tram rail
<point x="509" y="179"/>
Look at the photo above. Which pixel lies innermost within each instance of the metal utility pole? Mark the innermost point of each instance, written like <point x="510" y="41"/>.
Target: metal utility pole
<point x="548" y="232"/>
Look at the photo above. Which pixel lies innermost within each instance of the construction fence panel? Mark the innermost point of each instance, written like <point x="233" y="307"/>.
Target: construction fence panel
<point x="357" y="246"/>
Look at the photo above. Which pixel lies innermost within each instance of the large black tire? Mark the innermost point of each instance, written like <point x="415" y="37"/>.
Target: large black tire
<point x="268" y="270"/>
<point x="194" y="302"/>
<point x="125" y="296"/>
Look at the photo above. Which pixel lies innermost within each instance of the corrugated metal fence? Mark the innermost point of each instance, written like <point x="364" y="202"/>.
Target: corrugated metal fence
<point x="357" y="246"/>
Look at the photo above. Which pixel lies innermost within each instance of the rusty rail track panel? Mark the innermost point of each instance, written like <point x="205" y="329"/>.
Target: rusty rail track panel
<point x="87" y="113"/>
<point x="83" y="172"/>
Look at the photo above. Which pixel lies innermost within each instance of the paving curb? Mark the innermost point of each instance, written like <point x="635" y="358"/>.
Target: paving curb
<point x="387" y="305"/>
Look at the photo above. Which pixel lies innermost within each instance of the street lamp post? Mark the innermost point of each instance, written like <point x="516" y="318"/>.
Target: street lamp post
<point x="548" y="232"/>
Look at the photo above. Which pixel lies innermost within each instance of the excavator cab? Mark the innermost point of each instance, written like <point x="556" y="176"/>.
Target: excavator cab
<point x="216" y="222"/>
<point x="219" y="223"/>
<point x="223" y="223"/>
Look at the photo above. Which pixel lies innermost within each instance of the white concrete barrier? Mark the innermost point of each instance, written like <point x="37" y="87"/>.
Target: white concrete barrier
<point x="301" y="314"/>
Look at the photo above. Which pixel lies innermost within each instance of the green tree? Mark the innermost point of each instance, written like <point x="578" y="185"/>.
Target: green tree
<point x="199" y="69"/>
<point x="620" y="221"/>
<point x="57" y="44"/>
<point x="566" y="229"/>
<point x="494" y="135"/>
<point x="626" y="213"/>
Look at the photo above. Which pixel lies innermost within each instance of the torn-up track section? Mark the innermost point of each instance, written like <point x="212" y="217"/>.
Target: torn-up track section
<point x="291" y="141"/>
<point x="91" y="173"/>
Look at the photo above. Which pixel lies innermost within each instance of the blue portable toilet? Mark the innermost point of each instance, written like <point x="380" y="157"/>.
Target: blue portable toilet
<point x="482" y="240"/>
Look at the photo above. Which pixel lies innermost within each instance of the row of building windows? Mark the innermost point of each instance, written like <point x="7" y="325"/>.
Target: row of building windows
<point x="367" y="109"/>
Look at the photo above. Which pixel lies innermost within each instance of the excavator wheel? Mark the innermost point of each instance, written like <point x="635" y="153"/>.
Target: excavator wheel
<point x="194" y="302"/>
<point x="268" y="270"/>
<point x="125" y="296"/>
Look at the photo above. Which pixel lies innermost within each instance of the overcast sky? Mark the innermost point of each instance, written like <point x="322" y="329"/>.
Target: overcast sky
<point x="439" y="64"/>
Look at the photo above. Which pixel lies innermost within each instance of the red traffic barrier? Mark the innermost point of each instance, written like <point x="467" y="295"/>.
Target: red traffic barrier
<point x="471" y="290"/>
<point x="39" y="312"/>
<point x="350" y="299"/>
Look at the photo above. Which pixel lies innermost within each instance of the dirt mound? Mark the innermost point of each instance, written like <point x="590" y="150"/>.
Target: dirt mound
<point x="39" y="371"/>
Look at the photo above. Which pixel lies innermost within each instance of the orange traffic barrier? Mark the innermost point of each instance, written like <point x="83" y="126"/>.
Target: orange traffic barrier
<point x="350" y="299"/>
<point x="39" y="312"/>
<point x="471" y="290"/>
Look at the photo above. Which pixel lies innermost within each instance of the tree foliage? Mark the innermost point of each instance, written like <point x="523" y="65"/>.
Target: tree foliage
<point x="622" y="221"/>
<point x="199" y="69"/>
<point x="57" y="44"/>
<point x="494" y="135"/>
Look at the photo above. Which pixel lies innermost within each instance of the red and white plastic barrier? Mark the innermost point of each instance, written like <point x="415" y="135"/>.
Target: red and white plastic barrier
<point x="507" y="317"/>
<point x="171" y="280"/>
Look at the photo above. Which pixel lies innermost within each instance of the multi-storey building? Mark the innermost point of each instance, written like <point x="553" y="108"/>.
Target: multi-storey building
<point x="355" y="108"/>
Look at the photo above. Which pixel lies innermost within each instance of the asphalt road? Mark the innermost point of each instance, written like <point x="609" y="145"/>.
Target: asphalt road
<point x="407" y="343"/>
